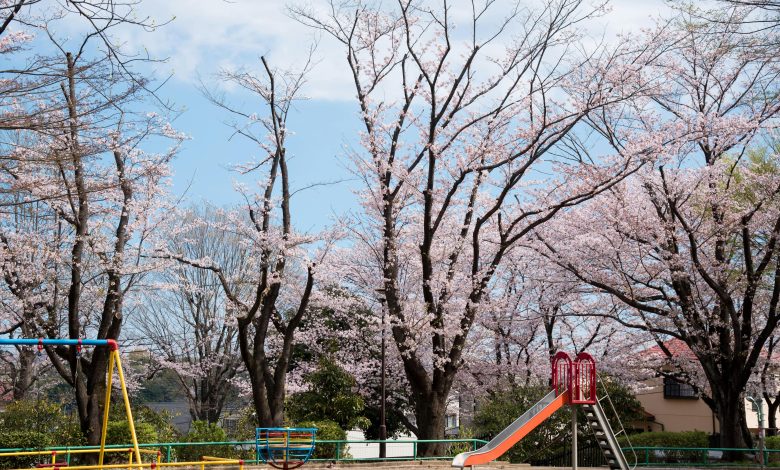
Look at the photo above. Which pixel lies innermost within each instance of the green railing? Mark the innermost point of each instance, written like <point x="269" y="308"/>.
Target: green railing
<point x="455" y="446"/>
<point x="672" y="457"/>
<point x="702" y="457"/>
<point x="246" y="449"/>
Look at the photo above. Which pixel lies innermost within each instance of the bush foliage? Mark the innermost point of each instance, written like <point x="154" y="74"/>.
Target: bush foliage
<point x="203" y="431"/>
<point x="331" y="397"/>
<point x="35" y="424"/>
<point x="668" y="439"/>
<point x="328" y="431"/>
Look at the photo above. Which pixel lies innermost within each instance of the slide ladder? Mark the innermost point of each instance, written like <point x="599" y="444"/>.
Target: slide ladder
<point x="606" y="437"/>
<point x="519" y="428"/>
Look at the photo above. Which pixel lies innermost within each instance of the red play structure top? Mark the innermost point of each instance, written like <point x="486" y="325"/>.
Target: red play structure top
<point x="576" y="379"/>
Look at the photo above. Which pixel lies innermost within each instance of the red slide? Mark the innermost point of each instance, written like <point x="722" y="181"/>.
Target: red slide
<point x="513" y="433"/>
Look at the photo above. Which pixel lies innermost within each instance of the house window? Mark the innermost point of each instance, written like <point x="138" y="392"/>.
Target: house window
<point x="452" y="421"/>
<point x="675" y="389"/>
<point x="230" y="425"/>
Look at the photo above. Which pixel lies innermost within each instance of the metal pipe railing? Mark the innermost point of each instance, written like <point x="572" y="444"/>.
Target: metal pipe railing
<point x="168" y="448"/>
<point x="650" y="456"/>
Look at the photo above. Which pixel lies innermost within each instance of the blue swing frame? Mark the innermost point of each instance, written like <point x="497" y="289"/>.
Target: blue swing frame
<point x="283" y="454"/>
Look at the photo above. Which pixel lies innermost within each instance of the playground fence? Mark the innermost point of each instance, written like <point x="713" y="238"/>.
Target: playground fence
<point x="675" y="457"/>
<point x="672" y="457"/>
<point x="245" y="450"/>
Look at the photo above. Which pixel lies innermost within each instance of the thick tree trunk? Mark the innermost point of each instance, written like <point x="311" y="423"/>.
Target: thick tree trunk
<point x="90" y="394"/>
<point x="206" y="409"/>
<point x="92" y="423"/>
<point x="269" y="414"/>
<point x="268" y="402"/>
<point x="430" y="414"/>
<point x="730" y="410"/>
<point x="25" y="374"/>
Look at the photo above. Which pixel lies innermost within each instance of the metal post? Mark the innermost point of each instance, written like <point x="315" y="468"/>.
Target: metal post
<point x="382" y="422"/>
<point x="106" y="406"/>
<point x="128" y="411"/>
<point x="758" y="407"/>
<point x="574" y="438"/>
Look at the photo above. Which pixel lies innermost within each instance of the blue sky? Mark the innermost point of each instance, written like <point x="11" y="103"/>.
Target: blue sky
<point x="320" y="130"/>
<point x="205" y="36"/>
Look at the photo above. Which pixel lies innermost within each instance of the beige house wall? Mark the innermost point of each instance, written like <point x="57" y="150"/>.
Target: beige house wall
<point x="677" y="414"/>
<point x="752" y="417"/>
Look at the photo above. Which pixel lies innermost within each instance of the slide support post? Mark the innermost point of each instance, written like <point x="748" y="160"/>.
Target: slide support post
<point x="574" y="438"/>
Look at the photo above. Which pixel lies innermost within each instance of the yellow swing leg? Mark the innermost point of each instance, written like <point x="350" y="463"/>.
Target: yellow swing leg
<point x="106" y="406"/>
<point x="129" y="413"/>
<point x="113" y="358"/>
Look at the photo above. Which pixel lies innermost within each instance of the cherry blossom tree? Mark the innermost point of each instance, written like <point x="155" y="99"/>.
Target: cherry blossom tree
<point x="79" y="188"/>
<point x="688" y="248"/>
<point x="536" y="309"/>
<point x="96" y="193"/>
<point x="468" y="145"/>
<point x="187" y="318"/>
<point x="26" y="81"/>
<point x="26" y="243"/>
<point x="277" y="288"/>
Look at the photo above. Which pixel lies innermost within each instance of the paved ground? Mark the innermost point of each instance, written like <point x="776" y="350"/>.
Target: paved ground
<point x="418" y="465"/>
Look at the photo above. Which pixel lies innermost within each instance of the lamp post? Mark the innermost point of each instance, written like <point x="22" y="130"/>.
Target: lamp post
<point x="382" y="424"/>
<point x="758" y="408"/>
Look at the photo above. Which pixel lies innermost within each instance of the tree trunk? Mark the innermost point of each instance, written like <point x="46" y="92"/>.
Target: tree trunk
<point x="269" y="405"/>
<point x="212" y="412"/>
<point x="24" y="374"/>
<point x="771" y="415"/>
<point x="269" y="414"/>
<point x="90" y="393"/>
<point x="730" y="410"/>
<point x="430" y="414"/>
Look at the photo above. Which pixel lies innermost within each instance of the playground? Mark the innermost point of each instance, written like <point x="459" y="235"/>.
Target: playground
<point x="573" y="381"/>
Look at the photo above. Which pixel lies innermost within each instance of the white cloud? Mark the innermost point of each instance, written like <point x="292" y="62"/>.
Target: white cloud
<point x="206" y="35"/>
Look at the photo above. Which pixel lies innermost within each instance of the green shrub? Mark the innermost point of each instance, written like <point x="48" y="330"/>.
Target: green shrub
<point x="459" y="447"/>
<point x="203" y="431"/>
<point x="161" y="421"/>
<point x="246" y="426"/>
<point x="25" y="440"/>
<point x="35" y="424"/>
<point x="327" y="431"/>
<point x="332" y="396"/>
<point x="772" y="442"/>
<point x="684" y="439"/>
<point x="43" y="417"/>
<point x="150" y="426"/>
<point x="668" y="439"/>
<point x="118" y="432"/>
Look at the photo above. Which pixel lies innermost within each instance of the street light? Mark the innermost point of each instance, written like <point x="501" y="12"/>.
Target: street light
<point x="382" y="424"/>
<point x="758" y="408"/>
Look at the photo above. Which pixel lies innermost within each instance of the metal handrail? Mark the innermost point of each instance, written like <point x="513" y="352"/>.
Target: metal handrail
<point x="339" y="443"/>
<point x="617" y="417"/>
<point x="703" y="461"/>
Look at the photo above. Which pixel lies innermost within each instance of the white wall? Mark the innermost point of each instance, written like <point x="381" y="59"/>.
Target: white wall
<point x="369" y="450"/>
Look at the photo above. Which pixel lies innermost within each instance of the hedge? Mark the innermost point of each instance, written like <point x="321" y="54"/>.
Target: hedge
<point x="667" y="439"/>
